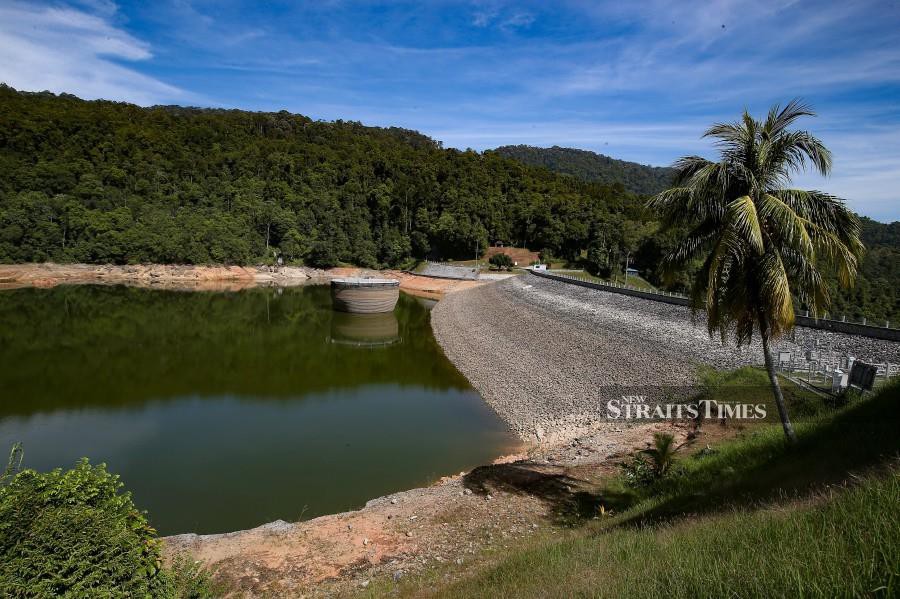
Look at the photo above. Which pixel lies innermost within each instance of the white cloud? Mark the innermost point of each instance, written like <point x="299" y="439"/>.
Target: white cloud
<point x="866" y="170"/>
<point x="73" y="51"/>
<point x="519" y="19"/>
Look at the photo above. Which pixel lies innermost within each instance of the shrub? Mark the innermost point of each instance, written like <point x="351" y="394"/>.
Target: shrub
<point x="652" y="464"/>
<point x="638" y="472"/>
<point x="501" y="261"/>
<point x="662" y="453"/>
<point x="73" y="533"/>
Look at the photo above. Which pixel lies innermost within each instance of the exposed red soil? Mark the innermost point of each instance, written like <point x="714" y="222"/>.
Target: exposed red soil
<point x="217" y="278"/>
<point x="521" y="256"/>
<point x="454" y="520"/>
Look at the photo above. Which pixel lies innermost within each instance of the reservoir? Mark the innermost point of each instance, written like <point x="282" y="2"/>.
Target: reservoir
<point x="225" y="410"/>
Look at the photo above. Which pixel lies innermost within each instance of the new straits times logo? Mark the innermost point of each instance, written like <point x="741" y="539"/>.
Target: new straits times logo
<point x="637" y="407"/>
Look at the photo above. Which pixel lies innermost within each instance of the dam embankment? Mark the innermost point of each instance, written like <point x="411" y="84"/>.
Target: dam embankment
<point x="547" y="355"/>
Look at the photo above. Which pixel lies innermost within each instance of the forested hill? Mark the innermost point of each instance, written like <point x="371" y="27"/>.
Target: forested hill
<point x="107" y="182"/>
<point x="590" y="166"/>
<point x="102" y="181"/>
<point x="877" y="290"/>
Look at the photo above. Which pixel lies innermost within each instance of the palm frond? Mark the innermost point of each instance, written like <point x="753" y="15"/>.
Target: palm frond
<point x="808" y="284"/>
<point x="686" y="166"/>
<point x="781" y="118"/>
<point x="743" y="217"/>
<point x="778" y="305"/>
<point x="764" y="243"/>
<point x="841" y="255"/>
<point x="727" y="133"/>
<point x="786" y="225"/>
<point x="688" y="248"/>
<point x="800" y="147"/>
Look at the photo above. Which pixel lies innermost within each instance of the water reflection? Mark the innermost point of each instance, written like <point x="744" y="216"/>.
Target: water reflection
<point x="370" y="331"/>
<point x="222" y="411"/>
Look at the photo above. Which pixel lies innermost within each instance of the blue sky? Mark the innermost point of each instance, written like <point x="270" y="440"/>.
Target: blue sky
<point x="634" y="80"/>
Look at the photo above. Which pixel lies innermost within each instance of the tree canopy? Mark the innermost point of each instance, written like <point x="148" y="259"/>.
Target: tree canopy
<point x="109" y="182"/>
<point x="763" y="244"/>
<point x="590" y="166"/>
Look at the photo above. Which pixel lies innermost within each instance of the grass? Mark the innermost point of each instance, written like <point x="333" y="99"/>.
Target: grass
<point x="839" y="543"/>
<point x="634" y="281"/>
<point x="751" y="517"/>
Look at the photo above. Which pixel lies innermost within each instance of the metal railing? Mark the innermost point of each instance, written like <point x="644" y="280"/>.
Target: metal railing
<point x="865" y="327"/>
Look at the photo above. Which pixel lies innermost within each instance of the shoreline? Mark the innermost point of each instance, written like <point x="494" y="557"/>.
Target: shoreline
<point x="539" y="354"/>
<point x="410" y="530"/>
<point x="209" y="277"/>
<point x="453" y="520"/>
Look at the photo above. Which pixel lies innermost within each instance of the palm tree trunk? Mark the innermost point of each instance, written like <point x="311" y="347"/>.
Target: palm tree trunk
<point x="776" y="391"/>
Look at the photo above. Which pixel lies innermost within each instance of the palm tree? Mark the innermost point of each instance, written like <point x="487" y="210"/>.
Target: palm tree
<point x="763" y="244"/>
<point x="662" y="453"/>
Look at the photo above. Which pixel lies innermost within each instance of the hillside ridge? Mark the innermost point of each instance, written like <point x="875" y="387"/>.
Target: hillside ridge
<point x="593" y="167"/>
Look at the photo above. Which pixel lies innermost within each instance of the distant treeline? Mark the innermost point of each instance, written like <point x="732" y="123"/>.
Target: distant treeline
<point x="112" y="182"/>
<point x="590" y="166"/>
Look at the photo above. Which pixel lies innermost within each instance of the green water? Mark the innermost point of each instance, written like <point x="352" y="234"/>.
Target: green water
<point x="222" y="411"/>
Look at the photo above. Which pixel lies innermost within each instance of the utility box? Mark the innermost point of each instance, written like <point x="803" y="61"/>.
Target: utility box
<point x="838" y="380"/>
<point x="862" y="375"/>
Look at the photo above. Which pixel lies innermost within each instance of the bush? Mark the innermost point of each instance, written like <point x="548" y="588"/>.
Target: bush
<point x="638" y="472"/>
<point x="73" y="533"/>
<point x="501" y="261"/>
<point x="322" y="255"/>
<point x="652" y="464"/>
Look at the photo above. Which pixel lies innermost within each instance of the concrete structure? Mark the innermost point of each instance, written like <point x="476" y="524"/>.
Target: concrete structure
<point x="442" y="270"/>
<point x="365" y="296"/>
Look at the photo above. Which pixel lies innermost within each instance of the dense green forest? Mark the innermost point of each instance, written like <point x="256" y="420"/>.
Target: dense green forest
<point x="876" y="294"/>
<point x="104" y="181"/>
<point x="590" y="166"/>
<point x="111" y="182"/>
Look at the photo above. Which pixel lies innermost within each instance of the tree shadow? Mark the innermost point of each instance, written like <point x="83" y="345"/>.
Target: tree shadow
<point x="570" y="499"/>
<point x="835" y="452"/>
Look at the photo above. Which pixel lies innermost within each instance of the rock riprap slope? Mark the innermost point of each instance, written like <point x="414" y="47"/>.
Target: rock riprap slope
<point x="547" y="356"/>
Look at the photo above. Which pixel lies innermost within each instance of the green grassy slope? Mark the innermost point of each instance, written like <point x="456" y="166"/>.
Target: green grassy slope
<point x="752" y="517"/>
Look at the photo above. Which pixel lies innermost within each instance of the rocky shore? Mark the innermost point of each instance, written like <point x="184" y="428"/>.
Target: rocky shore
<point x="451" y="523"/>
<point x="547" y="356"/>
<point x="206" y="278"/>
<point x="167" y="276"/>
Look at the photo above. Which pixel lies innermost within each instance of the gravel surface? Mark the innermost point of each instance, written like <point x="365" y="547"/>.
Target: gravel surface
<point x="547" y="356"/>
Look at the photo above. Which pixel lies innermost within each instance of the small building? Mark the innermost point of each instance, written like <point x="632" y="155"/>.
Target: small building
<point x="632" y="272"/>
<point x="539" y="266"/>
